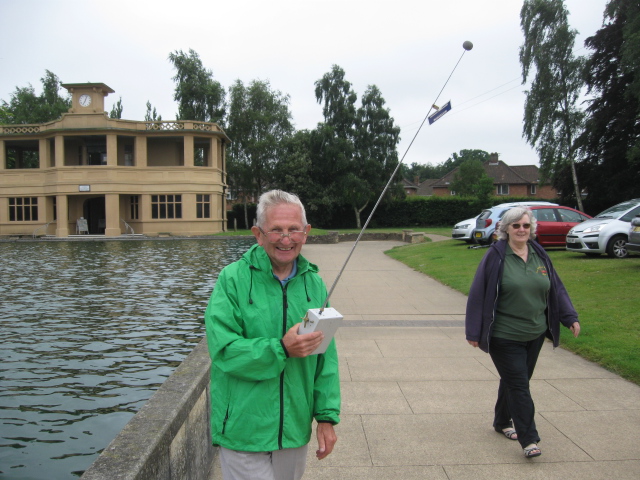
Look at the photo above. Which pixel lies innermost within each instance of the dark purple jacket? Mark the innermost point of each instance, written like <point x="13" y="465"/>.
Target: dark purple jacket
<point x="483" y="297"/>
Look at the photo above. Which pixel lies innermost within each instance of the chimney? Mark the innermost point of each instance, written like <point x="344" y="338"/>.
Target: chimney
<point x="416" y="180"/>
<point x="493" y="159"/>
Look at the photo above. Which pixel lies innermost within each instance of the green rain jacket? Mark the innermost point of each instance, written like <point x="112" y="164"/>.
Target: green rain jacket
<point x="261" y="400"/>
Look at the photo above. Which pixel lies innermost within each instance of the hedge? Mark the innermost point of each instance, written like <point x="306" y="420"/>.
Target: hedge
<point x="409" y="212"/>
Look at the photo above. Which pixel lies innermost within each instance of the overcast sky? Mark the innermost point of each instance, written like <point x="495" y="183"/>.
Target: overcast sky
<point x="408" y="48"/>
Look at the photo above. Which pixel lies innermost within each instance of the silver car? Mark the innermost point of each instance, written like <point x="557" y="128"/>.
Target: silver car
<point x="463" y="230"/>
<point x="633" y="244"/>
<point x="607" y="232"/>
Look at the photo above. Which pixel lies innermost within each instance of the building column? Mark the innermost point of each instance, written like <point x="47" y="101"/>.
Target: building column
<point x="112" y="150"/>
<point x="62" y="215"/>
<point x="215" y="153"/>
<point x="112" y="214"/>
<point x="59" y="156"/>
<point x="3" y="156"/>
<point x="43" y="153"/>
<point x="188" y="150"/>
<point x="140" y="152"/>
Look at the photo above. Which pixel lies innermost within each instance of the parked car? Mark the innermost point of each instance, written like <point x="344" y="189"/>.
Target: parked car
<point x="607" y="232"/>
<point x="488" y="218"/>
<point x="464" y="229"/>
<point x="555" y="222"/>
<point x="633" y="243"/>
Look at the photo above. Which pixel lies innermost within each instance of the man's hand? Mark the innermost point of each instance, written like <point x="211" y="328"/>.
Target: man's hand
<point x="326" y="439"/>
<point x="301" y="345"/>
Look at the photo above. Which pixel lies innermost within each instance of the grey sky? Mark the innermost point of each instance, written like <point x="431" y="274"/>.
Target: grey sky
<point x="406" y="48"/>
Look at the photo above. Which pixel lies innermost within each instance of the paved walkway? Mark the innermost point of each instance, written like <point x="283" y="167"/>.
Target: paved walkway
<point x="417" y="400"/>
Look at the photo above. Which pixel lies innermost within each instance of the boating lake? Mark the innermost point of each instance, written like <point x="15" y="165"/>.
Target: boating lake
<point x="88" y="331"/>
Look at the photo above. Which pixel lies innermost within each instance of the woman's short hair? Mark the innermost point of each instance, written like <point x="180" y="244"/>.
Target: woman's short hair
<point x="512" y="216"/>
<point x="274" y="198"/>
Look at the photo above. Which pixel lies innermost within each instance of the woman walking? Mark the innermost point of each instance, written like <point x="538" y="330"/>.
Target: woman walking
<point x="516" y="300"/>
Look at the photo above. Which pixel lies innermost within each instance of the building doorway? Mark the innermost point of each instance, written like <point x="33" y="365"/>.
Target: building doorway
<point x="94" y="211"/>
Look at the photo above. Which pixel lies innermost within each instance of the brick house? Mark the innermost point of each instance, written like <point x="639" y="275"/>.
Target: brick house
<point x="513" y="181"/>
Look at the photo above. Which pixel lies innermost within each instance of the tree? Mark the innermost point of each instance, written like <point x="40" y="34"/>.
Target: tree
<point x="354" y="149"/>
<point x="259" y="123"/>
<point x="424" y="172"/>
<point x="116" y="110"/>
<point x="376" y="155"/>
<point x="27" y="107"/>
<point x="331" y="142"/>
<point x="152" y="115"/>
<point x="552" y="121"/>
<point x="471" y="180"/>
<point x="199" y="96"/>
<point x="293" y="172"/>
<point x="610" y="144"/>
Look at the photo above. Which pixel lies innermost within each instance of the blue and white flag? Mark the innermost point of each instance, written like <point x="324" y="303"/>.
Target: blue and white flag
<point x="436" y="115"/>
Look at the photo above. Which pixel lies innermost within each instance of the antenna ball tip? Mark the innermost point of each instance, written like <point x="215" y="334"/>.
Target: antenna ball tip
<point x="467" y="45"/>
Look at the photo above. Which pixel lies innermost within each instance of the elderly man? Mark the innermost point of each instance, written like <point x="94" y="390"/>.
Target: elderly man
<point x="266" y="388"/>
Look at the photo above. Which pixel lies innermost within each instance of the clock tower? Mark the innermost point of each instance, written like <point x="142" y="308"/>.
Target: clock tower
<point x="87" y="97"/>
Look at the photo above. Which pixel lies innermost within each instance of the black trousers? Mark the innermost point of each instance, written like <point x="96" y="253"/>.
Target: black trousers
<point x="515" y="362"/>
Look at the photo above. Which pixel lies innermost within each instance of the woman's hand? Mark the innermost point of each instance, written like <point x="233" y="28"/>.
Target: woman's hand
<point x="475" y="344"/>
<point x="575" y="328"/>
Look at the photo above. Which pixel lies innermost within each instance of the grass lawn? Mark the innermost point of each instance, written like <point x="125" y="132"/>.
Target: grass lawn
<point x="603" y="290"/>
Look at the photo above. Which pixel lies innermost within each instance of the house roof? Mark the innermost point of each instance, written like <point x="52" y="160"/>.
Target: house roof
<point x="426" y="188"/>
<point x="500" y="172"/>
<point x="409" y="185"/>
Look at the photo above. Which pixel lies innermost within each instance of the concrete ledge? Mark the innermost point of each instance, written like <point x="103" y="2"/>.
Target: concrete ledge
<point x="169" y="438"/>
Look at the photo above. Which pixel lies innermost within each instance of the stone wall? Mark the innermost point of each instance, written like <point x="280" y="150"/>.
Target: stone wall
<point x="169" y="438"/>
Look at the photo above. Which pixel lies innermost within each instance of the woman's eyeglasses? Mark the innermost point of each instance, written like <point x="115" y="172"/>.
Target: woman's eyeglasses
<point x="516" y="226"/>
<point x="295" y="236"/>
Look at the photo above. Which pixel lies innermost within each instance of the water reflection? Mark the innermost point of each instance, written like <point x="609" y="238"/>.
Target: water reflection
<point x="89" y="330"/>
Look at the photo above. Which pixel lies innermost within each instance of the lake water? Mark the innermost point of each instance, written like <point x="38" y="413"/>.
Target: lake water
<point x="88" y="331"/>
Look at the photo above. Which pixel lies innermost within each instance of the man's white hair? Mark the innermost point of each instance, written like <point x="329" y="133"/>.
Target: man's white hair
<point x="274" y="198"/>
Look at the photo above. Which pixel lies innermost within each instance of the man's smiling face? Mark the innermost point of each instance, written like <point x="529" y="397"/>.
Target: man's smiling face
<point x="283" y="218"/>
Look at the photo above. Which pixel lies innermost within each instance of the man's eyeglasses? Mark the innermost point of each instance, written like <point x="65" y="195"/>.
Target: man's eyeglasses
<point x="296" y="236"/>
<point x="516" y="226"/>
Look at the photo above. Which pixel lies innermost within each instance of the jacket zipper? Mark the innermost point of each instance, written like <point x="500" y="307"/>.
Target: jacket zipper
<point x="549" y="273"/>
<point x="224" y="422"/>
<point x="285" y="306"/>
<point x="495" y="307"/>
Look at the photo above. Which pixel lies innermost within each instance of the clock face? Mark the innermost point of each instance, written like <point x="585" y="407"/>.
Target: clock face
<point x="85" y="100"/>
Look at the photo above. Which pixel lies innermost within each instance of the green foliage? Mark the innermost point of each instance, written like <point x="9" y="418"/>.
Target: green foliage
<point x="610" y="144"/>
<point x="428" y="171"/>
<point x="354" y="150"/>
<point x="552" y="120"/>
<point x="259" y="124"/>
<point x="471" y="180"/>
<point x="293" y="172"/>
<point x="25" y="107"/>
<point x="116" y="110"/>
<point x="199" y="96"/>
<point x="242" y="215"/>
<point x="152" y="115"/>
<point x="603" y="291"/>
<point x="22" y="157"/>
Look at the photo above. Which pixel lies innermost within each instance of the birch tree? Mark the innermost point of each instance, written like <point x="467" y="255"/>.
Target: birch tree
<point x="552" y="120"/>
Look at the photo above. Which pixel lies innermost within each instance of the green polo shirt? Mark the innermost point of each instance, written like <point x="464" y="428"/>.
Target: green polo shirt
<point x="522" y="300"/>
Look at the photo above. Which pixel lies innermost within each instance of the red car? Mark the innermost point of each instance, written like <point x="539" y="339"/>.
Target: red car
<point x="555" y="222"/>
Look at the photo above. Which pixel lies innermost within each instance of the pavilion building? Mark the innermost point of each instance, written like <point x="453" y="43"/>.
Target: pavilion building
<point x="86" y="173"/>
